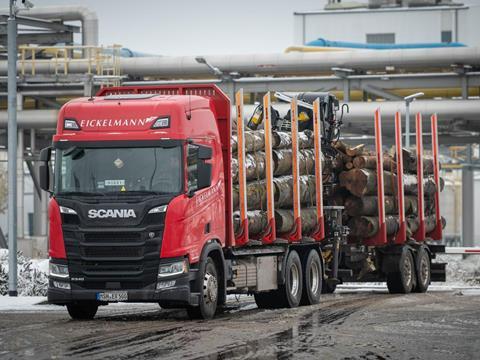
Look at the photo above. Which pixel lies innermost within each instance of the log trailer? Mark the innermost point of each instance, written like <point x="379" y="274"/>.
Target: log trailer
<point x="141" y="208"/>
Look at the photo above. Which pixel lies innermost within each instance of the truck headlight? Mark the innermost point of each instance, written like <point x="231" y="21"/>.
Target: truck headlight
<point x="171" y="269"/>
<point x="59" y="271"/>
<point x="67" y="210"/>
<point x="158" y="209"/>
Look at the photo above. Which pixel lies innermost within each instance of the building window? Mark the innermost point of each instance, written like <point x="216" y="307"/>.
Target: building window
<point x="446" y="36"/>
<point x="387" y="38"/>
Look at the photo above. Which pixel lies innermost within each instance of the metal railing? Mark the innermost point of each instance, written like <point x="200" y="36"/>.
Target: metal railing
<point x="103" y="62"/>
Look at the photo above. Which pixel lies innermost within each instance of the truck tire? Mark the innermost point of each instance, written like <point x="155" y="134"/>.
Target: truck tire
<point x="422" y="269"/>
<point x="84" y="310"/>
<point x="291" y="291"/>
<point x="312" y="278"/>
<point x="208" y="292"/>
<point x="328" y="288"/>
<point x="267" y="299"/>
<point x="402" y="281"/>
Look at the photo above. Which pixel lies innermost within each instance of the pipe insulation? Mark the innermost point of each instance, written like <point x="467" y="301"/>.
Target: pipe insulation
<point x="87" y="17"/>
<point x="361" y="113"/>
<point x="279" y="64"/>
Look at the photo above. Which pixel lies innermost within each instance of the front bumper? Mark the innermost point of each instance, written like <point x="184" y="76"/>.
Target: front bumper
<point x="178" y="294"/>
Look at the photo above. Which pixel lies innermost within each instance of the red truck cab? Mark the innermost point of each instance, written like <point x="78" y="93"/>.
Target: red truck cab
<point x="138" y="196"/>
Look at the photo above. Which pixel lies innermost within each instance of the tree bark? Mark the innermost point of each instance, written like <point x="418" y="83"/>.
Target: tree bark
<point x="368" y="205"/>
<point x="355" y="151"/>
<point x="285" y="221"/>
<point x="368" y="226"/>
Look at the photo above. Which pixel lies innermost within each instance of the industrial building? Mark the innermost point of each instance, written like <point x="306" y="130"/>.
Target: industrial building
<point x="53" y="69"/>
<point x="386" y="23"/>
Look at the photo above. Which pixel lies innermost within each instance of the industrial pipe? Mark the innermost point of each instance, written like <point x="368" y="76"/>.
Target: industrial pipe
<point x="279" y="64"/>
<point x="87" y="17"/>
<point x="361" y="113"/>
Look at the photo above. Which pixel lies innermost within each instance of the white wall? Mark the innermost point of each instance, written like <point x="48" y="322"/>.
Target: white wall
<point x="409" y="26"/>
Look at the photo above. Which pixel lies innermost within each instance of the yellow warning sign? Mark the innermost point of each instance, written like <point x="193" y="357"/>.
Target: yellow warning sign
<point x="123" y="188"/>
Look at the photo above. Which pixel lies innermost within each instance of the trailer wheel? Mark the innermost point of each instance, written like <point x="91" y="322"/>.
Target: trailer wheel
<point x="402" y="281"/>
<point x="422" y="267"/>
<point x="312" y="278"/>
<point x="84" y="310"/>
<point x="208" y="293"/>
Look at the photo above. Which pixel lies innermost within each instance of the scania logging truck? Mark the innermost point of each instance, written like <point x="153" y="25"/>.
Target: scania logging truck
<point x="142" y="209"/>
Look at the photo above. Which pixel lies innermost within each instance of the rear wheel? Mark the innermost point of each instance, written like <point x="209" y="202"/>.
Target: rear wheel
<point x="402" y="280"/>
<point x="312" y="278"/>
<point x="288" y="294"/>
<point x="84" y="310"/>
<point x="208" y="293"/>
<point x="267" y="300"/>
<point x="291" y="291"/>
<point x="422" y="268"/>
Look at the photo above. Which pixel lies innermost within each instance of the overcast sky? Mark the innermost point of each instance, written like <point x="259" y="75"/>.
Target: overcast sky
<point x="192" y="27"/>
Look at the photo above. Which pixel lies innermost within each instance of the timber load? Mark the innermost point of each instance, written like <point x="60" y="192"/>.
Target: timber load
<point x="283" y="184"/>
<point x="352" y="171"/>
<point x="358" y="192"/>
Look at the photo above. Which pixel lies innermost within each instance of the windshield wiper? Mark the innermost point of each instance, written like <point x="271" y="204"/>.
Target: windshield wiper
<point x="80" y="193"/>
<point x="137" y="192"/>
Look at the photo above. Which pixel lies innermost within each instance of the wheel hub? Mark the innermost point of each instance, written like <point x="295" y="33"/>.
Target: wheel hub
<point x="408" y="272"/>
<point x="424" y="270"/>
<point x="294" y="280"/>
<point x="314" y="278"/>
<point x="210" y="288"/>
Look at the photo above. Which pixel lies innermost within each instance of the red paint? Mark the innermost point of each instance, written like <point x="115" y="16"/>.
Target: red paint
<point x="296" y="234"/>
<point x="437" y="233"/>
<point x="381" y="237"/>
<point x="401" y="237"/>
<point x="56" y="244"/>
<point x="270" y="234"/>
<point x="319" y="233"/>
<point x="420" y="234"/>
<point x="203" y="117"/>
<point x="243" y="237"/>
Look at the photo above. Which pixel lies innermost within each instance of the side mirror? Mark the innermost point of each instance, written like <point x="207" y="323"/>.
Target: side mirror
<point x="44" y="169"/>
<point x="204" y="175"/>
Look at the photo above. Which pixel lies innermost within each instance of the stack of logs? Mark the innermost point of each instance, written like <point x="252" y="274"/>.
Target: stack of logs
<point x="282" y="182"/>
<point x="358" y="191"/>
<point x="352" y="170"/>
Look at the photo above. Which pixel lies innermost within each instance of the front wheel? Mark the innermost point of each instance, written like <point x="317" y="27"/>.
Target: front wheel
<point x="208" y="293"/>
<point x="84" y="310"/>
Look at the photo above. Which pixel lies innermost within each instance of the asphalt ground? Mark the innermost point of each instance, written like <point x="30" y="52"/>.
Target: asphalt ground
<point x="355" y="323"/>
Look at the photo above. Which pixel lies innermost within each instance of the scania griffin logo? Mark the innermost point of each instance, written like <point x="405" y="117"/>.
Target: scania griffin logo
<point x="111" y="213"/>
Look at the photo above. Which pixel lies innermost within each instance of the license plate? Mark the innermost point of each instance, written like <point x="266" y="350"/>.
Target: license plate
<point x="112" y="296"/>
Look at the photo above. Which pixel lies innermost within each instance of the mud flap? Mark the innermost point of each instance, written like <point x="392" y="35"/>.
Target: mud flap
<point x="438" y="272"/>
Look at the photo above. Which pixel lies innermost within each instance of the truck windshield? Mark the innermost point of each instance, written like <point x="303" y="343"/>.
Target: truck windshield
<point x="102" y="171"/>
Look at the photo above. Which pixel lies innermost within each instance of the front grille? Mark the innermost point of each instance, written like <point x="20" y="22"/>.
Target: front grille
<point x="112" y="251"/>
<point x="113" y="259"/>
<point x="124" y="285"/>
<point x="112" y="237"/>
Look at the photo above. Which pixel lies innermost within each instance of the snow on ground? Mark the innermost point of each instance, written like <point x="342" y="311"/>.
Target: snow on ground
<point x="462" y="271"/>
<point x="26" y="303"/>
<point x="32" y="275"/>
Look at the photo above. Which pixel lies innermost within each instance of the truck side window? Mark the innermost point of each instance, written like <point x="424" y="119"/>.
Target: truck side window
<point x="192" y="167"/>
